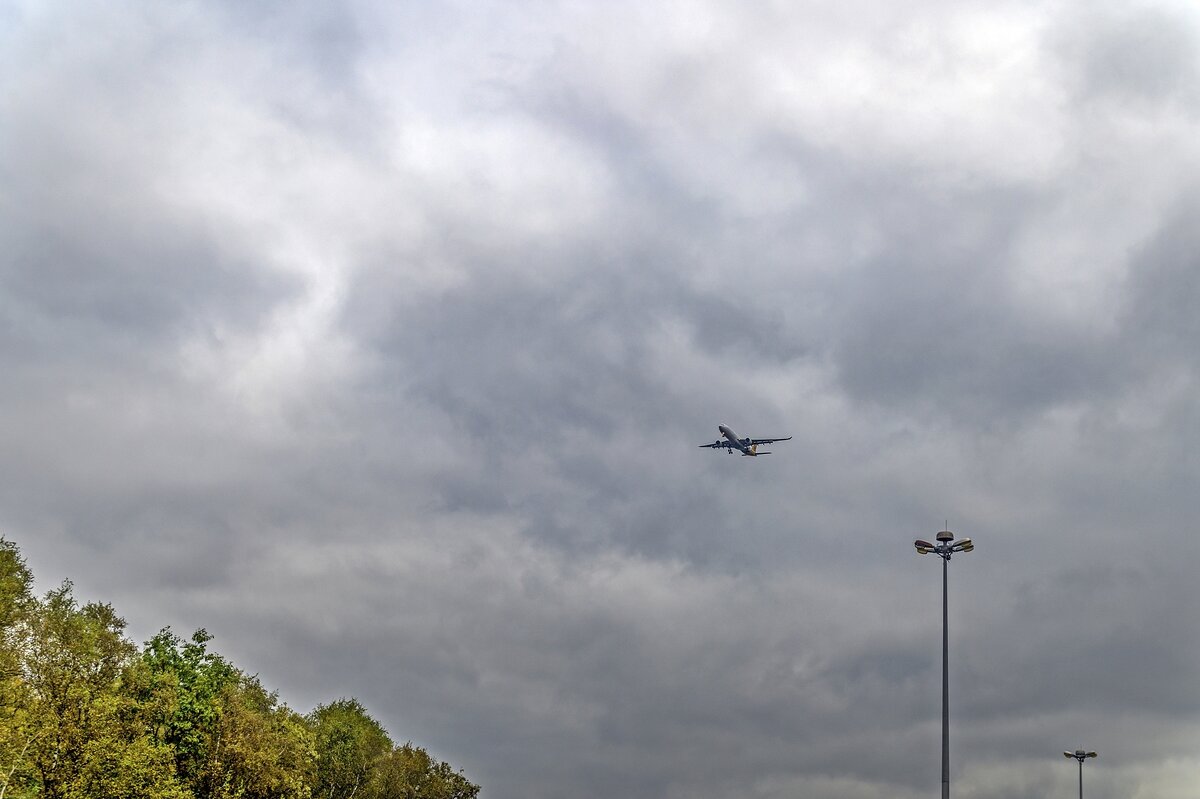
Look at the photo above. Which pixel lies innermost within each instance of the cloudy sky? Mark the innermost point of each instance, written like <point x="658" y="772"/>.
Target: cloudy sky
<point x="378" y="339"/>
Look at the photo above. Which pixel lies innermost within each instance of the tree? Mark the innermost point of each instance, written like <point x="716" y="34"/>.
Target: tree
<point x="85" y="715"/>
<point x="122" y="757"/>
<point x="16" y="597"/>
<point x="69" y="661"/>
<point x="17" y="734"/>
<point x="348" y="744"/>
<point x="408" y="772"/>
<point x="262" y="750"/>
<point x="230" y="736"/>
<point x="182" y="691"/>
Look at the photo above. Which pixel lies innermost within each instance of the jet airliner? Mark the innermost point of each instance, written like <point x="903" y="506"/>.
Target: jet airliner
<point x="746" y="446"/>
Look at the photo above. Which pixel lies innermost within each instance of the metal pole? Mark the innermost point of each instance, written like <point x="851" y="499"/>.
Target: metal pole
<point x="1080" y="778"/>
<point x="946" y="689"/>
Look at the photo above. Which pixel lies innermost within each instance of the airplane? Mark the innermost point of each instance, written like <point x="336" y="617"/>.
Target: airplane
<point x="746" y="446"/>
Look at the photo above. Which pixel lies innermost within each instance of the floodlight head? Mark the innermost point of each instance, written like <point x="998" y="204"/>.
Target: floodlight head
<point x="1091" y="754"/>
<point x="944" y="536"/>
<point x="1068" y="754"/>
<point x="963" y="545"/>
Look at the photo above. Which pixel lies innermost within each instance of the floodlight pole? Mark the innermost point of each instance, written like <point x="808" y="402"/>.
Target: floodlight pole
<point x="1080" y="755"/>
<point x="945" y="680"/>
<point x="945" y="547"/>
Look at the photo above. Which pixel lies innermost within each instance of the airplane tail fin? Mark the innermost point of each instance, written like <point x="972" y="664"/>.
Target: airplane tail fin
<point x="755" y="453"/>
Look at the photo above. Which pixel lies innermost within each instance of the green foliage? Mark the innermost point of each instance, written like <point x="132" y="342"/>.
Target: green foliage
<point x="408" y="772"/>
<point x="17" y="730"/>
<point x="16" y="585"/>
<point x="121" y="757"/>
<point x="230" y="736"/>
<point x="71" y="658"/>
<point x="349" y="742"/>
<point x="85" y="715"/>
<point x="262" y="748"/>
<point x="183" y="694"/>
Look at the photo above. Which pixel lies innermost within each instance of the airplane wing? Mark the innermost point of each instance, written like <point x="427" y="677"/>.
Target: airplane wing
<point x="718" y="445"/>
<point x="755" y="441"/>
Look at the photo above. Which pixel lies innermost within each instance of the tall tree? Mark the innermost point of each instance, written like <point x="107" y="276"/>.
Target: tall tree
<point x="408" y="772"/>
<point x="17" y="732"/>
<point x="84" y="714"/>
<point x="230" y="736"/>
<point x="349" y="743"/>
<point x="121" y="755"/>
<point x="66" y="727"/>
<point x="16" y="587"/>
<point x="262" y="749"/>
<point x="71" y="660"/>
<point x="183" y="692"/>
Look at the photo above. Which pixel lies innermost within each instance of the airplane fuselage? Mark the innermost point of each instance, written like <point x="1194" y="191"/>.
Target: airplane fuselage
<point x="746" y="446"/>
<point x="743" y="445"/>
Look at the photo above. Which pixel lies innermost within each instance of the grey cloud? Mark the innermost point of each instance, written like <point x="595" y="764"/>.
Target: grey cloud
<point x="96" y="278"/>
<point x="314" y="37"/>
<point x="513" y="350"/>
<point x="580" y="678"/>
<point x="96" y="252"/>
<point x="491" y="522"/>
<point x="1164" y="288"/>
<point x="566" y="368"/>
<point x="1092" y="648"/>
<point x="936" y="328"/>
<point x="1142" y="55"/>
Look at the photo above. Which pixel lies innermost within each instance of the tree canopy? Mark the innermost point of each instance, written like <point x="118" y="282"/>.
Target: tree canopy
<point x="86" y="713"/>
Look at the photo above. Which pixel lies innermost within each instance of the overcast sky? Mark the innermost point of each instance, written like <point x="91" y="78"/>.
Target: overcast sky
<point x="378" y="339"/>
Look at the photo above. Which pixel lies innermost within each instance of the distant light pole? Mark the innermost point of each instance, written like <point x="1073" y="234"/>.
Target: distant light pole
<point x="944" y="549"/>
<point x="1081" y="756"/>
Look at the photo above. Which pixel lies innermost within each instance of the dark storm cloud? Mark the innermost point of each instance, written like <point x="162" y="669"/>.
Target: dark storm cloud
<point x="380" y="343"/>
<point x="933" y="323"/>
<point x="1106" y="635"/>
<point x="89" y="276"/>
<point x="505" y="352"/>
<point x="566" y="368"/>
<point x="568" y="670"/>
